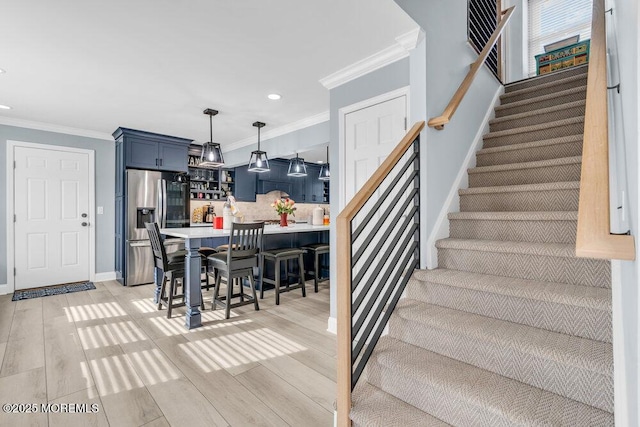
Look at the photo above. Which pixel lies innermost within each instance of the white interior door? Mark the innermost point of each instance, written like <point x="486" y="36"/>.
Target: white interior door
<point x="371" y="134"/>
<point x="51" y="205"/>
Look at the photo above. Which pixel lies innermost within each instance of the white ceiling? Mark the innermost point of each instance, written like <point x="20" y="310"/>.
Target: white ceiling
<point x="156" y="64"/>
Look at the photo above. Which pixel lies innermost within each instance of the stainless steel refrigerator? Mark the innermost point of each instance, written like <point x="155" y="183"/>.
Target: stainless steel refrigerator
<point x="152" y="196"/>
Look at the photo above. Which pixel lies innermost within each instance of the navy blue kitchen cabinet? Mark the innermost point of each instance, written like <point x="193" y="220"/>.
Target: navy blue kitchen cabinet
<point x="152" y="151"/>
<point x="314" y="187"/>
<point x="246" y="184"/>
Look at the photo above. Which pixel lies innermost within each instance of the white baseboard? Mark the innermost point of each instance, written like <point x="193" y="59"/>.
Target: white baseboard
<point x="452" y="203"/>
<point x="103" y="277"/>
<point x="4" y="289"/>
<point x="332" y="325"/>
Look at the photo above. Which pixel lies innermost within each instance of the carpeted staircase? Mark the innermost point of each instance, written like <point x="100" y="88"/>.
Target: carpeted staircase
<point x="512" y="328"/>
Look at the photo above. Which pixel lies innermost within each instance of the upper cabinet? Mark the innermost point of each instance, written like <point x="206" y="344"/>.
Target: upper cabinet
<point x="152" y="151"/>
<point x="302" y="189"/>
<point x="246" y="184"/>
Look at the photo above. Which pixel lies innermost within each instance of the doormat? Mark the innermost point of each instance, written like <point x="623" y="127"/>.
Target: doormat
<point x="52" y="290"/>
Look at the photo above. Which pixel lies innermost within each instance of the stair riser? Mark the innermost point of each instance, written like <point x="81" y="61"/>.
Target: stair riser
<point x="428" y="397"/>
<point x="539" y="91"/>
<point x="447" y="405"/>
<point x="559" y="173"/>
<point x="514" y="231"/>
<point x="545" y="152"/>
<point x="545" y="79"/>
<point x="537" y="135"/>
<point x="543" y="117"/>
<point x="526" y="201"/>
<point x="575" y="271"/>
<point x="578" y="94"/>
<point x="582" y="385"/>
<point x="563" y="318"/>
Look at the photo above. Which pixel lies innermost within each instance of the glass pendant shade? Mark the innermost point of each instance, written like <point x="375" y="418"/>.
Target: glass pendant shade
<point x="297" y="167"/>
<point x="325" y="174"/>
<point x="211" y="152"/>
<point x="211" y="155"/>
<point x="258" y="161"/>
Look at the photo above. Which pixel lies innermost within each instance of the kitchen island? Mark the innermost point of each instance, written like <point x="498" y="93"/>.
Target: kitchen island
<point x="195" y="237"/>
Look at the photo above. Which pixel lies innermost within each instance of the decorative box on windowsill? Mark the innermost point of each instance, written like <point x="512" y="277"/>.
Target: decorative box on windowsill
<point x="566" y="57"/>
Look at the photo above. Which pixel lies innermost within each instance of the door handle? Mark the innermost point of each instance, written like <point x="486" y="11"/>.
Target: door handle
<point x="84" y="215"/>
<point x="84" y="224"/>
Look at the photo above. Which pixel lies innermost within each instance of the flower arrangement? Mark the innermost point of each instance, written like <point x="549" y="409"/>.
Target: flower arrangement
<point x="284" y="206"/>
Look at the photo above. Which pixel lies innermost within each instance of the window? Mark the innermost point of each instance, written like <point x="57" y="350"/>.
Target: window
<point x="554" y="20"/>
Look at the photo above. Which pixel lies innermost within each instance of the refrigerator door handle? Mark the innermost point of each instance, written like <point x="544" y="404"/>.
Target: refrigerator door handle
<point x="164" y="203"/>
<point x="160" y="216"/>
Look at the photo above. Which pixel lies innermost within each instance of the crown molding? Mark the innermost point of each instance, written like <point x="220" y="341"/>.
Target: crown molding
<point x="48" y="127"/>
<point x="404" y="44"/>
<point x="279" y="131"/>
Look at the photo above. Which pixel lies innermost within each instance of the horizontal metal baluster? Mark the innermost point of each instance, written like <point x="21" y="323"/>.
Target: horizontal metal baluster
<point x="363" y="294"/>
<point x="378" y="332"/>
<point x="381" y="305"/>
<point x="382" y="198"/>
<point x="383" y="217"/>
<point x="395" y="243"/>
<point x="381" y="284"/>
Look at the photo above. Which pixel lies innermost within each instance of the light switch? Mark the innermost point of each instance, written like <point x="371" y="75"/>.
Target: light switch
<point x="100" y="210"/>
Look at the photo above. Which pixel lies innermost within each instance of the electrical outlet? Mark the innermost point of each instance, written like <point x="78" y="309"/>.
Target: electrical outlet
<point x="100" y="210"/>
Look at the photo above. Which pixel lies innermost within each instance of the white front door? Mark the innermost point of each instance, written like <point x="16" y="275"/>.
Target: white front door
<point x="371" y="133"/>
<point x="51" y="205"/>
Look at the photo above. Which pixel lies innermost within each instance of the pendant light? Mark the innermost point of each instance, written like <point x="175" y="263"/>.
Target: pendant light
<point x="297" y="167"/>
<point x="325" y="175"/>
<point x="258" y="161"/>
<point x="211" y="152"/>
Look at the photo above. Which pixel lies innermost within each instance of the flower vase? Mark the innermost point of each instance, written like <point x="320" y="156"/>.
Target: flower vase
<point x="283" y="220"/>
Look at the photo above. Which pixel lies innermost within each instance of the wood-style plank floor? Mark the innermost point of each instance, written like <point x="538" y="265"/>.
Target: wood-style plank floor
<point x="111" y="348"/>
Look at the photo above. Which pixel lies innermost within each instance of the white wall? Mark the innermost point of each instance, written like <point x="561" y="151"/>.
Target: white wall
<point x="445" y="59"/>
<point x="626" y="18"/>
<point x="516" y="42"/>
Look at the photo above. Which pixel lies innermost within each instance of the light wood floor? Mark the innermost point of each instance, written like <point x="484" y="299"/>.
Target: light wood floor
<point x="111" y="347"/>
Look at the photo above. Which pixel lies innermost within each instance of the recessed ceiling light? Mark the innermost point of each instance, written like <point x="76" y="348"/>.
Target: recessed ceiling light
<point x="4" y="107"/>
<point x="2" y="71"/>
<point x="274" y="96"/>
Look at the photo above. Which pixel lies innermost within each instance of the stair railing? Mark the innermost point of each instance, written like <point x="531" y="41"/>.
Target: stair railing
<point x="594" y="238"/>
<point x="445" y="117"/>
<point x="377" y="251"/>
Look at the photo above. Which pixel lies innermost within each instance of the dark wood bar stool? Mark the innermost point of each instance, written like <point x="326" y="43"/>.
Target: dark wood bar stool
<point x="238" y="262"/>
<point x="172" y="267"/>
<point x="277" y="256"/>
<point x="317" y="249"/>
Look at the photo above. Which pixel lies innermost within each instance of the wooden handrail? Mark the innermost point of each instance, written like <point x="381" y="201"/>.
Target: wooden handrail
<point x="343" y="229"/>
<point x="445" y="117"/>
<point x="594" y="238"/>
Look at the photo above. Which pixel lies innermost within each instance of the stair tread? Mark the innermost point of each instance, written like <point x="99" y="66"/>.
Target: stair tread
<point x="532" y="144"/>
<point x="583" y="353"/>
<point x="527" y="165"/>
<point x="537" y="112"/>
<point x="559" y="74"/>
<point x="537" y="88"/>
<point x="534" y="128"/>
<point x="516" y="216"/>
<point x="492" y="394"/>
<point x="374" y="407"/>
<point x="546" y="186"/>
<point x="553" y="292"/>
<point x="533" y="100"/>
<point x="527" y="248"/>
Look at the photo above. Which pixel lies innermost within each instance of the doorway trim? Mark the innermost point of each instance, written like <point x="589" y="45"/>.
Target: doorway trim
<point x="342" y="113"/>
<point x="10" y="211"/>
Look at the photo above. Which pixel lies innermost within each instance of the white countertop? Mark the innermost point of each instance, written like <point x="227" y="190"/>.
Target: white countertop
<point x="205" y="232"/>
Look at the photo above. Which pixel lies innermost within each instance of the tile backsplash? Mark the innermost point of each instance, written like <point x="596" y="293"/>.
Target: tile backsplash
<point x="261" y="209"/>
